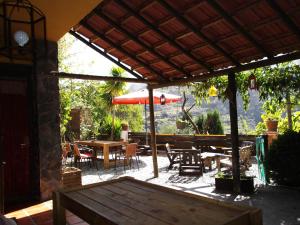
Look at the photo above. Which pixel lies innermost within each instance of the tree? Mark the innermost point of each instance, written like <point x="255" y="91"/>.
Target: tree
<point x="278" y="84"/>
<point x="200" y="122"/>
<point x="112" y="89"/>
<point x="210" y="124"/>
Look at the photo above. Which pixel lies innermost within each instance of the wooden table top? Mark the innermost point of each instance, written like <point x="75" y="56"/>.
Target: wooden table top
<point x="100" y="142"/>
<point x="128" y="201"/>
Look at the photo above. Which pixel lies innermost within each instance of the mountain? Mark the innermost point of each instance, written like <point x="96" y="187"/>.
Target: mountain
<point x="166" y="115"/>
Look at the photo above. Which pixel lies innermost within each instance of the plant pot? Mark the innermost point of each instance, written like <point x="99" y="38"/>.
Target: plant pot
<point x="225" y="184"/>
<point x="124" y="127"/>
<point x="272" y="125"/>
<point x="71" y="177"/>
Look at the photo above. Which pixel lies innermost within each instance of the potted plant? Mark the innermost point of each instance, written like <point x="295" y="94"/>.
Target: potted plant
<point x="124" y="126"/>
<point x="272" y="115"/>
<point x="224" y="183"/>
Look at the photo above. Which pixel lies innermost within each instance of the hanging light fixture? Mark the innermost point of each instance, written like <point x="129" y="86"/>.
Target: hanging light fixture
<point x="213" y="91"/>
<point x="23" y="30"/>
<point x="162" y="99"/>
<point x="252" y="82"/>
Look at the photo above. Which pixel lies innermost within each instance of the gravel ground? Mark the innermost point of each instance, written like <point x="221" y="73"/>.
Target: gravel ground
<point x="280" y="205"/>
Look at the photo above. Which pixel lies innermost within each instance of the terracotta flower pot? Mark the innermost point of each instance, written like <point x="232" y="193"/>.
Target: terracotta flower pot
<point x="272" y="125"/>
<point x="124" y="126"/>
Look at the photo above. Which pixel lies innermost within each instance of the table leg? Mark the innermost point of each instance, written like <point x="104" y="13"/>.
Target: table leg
<point x="106" y="156"/>
<point x="59" y="212"/>
<point x="218" y="163"/>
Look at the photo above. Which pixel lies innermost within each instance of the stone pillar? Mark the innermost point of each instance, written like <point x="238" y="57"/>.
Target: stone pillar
<point x="48" y="122"/>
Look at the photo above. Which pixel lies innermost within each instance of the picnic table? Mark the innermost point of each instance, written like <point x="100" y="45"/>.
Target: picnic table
<point x="128" y="201"/>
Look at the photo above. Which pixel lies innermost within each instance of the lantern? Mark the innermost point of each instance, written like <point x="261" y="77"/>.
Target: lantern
<point x="252" y="82"/>
<point x="22" y="30"/>
<point x="162" y="99"/>
<point x="212" y="91"/>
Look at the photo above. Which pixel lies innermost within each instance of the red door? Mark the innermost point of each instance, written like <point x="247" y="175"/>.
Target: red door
<point x="15" y="147"/>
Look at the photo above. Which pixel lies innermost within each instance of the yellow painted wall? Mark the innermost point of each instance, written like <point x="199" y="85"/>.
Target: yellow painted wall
<point x="61" y="15"/>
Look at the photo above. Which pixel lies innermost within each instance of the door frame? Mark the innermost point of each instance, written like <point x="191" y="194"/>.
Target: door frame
<point x="25" y="73"/>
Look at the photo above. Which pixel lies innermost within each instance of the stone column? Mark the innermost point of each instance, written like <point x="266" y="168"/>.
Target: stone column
<point x="48" y="122"/>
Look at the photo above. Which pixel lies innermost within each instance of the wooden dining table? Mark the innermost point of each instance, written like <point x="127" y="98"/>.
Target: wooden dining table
<point x="106" y="145"/>
<point x="128" y="201"/>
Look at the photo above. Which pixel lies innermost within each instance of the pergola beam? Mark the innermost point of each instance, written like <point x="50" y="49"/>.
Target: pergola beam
<point x="135" y="39"/>
<point x="249" y="66"/>
<point x="285" y="18"/>
<point x="184" y="21"/>
<point x="105" y="55"/>
<point x="97" y="77"/>
<point x="164" y="36"/>
<point x="125" y="52"/>
<point x="237" y="26"/>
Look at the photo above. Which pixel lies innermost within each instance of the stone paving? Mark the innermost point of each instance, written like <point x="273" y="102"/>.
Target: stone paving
<point x="280" y="205"/>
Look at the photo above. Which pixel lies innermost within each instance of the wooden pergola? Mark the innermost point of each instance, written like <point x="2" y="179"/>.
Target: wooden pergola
<point x="166" y="43"/>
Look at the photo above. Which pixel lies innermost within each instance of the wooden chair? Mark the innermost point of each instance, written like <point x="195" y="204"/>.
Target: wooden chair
<point x="66" y="152"/>
<point x="86" y="156"/>
<point x="173" y="157"/>
<point x="190" y="163"/>
<point x="245" y="159"/>
<point x="128" y="155"/>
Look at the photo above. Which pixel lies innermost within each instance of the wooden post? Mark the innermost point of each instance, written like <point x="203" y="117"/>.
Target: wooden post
<point x="289" y="110"/>
<point x="59" y="212"/>
<point x="153" y="135"/>
<point x="2" y="164"/>
<point x="234" y="132"/>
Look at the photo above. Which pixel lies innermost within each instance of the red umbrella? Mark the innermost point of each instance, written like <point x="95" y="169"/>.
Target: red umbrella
<point x="142" y="97"/>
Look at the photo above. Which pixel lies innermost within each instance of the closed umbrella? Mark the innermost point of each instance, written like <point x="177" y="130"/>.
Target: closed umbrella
<point x="142" y="97"/>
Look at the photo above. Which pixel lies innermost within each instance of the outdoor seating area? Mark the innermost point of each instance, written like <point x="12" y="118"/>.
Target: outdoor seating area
<point x="285" y="204"/>
<point x="149" y="112"/>
<point x="201" y="154"/>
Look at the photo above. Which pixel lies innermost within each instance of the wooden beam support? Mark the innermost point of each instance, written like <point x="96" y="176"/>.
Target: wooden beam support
<point x="164" y="36"/>
<point x="238" y="27"/>
<point x="153" y="134"/>
<point x="98" y="77"/>
<point x="132" y="37"/>
<point x="123" y="51"/>
<point x="285" y="18"/>
<point x="249" y="66"/>
<point x="231" y="90"/>
<point x="83" y="40"/>
<point x="185" y="22"/>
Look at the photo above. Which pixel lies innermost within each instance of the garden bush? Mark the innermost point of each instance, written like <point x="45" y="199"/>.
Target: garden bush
<point x="284" y="158"/>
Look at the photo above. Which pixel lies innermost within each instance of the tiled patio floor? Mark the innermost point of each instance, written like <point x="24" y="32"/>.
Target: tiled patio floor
<point x="41" y="214"/>
<point x="280" y="205"/>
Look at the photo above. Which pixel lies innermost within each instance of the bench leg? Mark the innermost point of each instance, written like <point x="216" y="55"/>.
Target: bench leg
<point x="59" y="212"/>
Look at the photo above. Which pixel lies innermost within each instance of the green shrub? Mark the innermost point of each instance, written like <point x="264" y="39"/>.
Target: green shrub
<point x="213" y="123"/>
<point x="200" y="122"/>
<point x="283" y="159"/>
<point x="106" y="125"/>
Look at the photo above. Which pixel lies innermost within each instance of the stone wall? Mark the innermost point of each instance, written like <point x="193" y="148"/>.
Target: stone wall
<point x="48" y="122"/>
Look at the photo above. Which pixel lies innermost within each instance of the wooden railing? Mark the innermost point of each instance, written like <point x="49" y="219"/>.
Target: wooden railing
<point x="215" y="140"/>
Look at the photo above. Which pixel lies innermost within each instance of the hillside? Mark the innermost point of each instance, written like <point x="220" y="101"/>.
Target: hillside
<point x="166" y="115"/>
